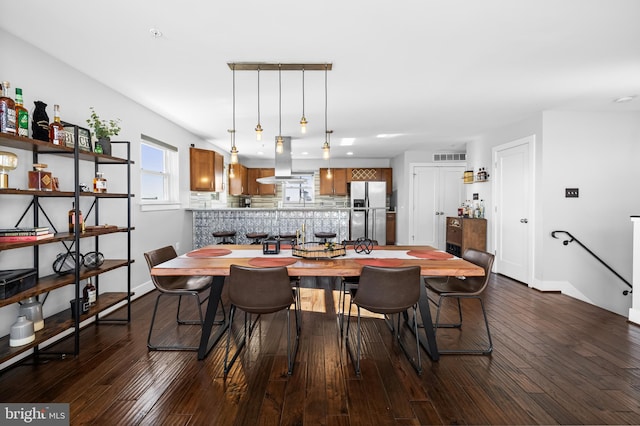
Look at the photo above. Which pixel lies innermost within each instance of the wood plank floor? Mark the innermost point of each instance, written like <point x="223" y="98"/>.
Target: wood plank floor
<point x="556" y="360"/>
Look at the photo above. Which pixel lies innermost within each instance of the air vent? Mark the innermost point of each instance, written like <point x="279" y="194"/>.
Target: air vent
<point x="450" y="156"/>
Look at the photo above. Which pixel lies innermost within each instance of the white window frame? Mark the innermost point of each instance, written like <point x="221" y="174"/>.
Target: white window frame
<point x="171" y="201"/>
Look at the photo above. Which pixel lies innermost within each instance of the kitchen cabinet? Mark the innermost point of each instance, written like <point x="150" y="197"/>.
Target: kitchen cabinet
<point x="62" y="321"/>
<point x="372" y="174"/>
<point x="336" y="184"/>
<point x="256" y="188"/>
<point x="207" y="170"/>
<point x="238" y="183"/>
<point x="391" y="228"/>
<point x="463" y="233"/>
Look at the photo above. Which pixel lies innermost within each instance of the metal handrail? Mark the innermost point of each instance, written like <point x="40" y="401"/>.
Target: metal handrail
<point x="572" y="239"/>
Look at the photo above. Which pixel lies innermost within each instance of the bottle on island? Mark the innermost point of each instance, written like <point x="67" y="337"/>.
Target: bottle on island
<point x="22" y="115"/>
<point x="72" y="218"/>
<point x="56" y="129"/>
<point x="89" y="292"/>
<point x="7" y="111"/>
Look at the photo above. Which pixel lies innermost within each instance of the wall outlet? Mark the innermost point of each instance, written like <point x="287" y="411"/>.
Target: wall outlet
<point x="571" y="193"/>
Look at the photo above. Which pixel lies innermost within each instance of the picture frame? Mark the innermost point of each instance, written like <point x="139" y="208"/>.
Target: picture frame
<point x="74" y="133"/>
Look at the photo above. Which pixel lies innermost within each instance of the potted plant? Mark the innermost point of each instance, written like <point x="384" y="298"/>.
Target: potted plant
<point x="103" y="130"/>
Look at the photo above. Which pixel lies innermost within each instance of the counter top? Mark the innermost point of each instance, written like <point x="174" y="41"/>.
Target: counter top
<point x="272" y="209"/>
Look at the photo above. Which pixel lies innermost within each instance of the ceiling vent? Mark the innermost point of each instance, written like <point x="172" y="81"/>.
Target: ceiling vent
<point x="450" y="156"/>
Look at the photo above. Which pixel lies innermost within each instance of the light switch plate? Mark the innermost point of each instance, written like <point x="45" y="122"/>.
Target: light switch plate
<point x="571" y="193"/>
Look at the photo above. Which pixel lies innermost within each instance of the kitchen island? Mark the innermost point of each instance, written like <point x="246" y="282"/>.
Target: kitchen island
<point x="273" y="221"/>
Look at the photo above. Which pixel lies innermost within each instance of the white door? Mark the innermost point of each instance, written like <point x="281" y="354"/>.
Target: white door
<point x="513" y="189"/>
<point x="437" y="193"/>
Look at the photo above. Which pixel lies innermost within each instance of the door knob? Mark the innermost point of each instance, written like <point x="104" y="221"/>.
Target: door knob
<point x="525" y="220"/>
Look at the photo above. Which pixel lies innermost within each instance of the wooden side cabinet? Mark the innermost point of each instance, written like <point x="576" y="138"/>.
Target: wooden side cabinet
<point x="238" y="183"/>
<point x="463" y="233"/>
<point x="206" y="169"/>
<point x="391" y="228"/>
<point x="336" y="184"/>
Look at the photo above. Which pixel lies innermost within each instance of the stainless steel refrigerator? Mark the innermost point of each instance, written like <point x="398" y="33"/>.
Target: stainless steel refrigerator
<point x="369" y="211"/>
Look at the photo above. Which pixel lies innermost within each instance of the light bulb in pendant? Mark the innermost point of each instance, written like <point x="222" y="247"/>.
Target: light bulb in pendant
<point x="279" y="145"/>
<point x="232" y="173"/>
<point x="258" y="132"/>
<point x="329" y="175"/>
<point x="234" y="155"/>
<point x="325" y="150"/>
<point x="303" y="124"/>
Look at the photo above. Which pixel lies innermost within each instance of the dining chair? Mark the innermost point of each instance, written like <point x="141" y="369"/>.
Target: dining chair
<point x="462" y="288"/>
<point x="386" y="291"/>
<point x="261" y="291"/>
<point x="347" y="283"/>
<point x="192" y="286"/>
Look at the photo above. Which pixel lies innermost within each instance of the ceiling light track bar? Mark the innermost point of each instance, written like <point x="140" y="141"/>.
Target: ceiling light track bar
<point x="264" y="66"/>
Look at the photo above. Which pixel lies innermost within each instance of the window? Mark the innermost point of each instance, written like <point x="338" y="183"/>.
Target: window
<point x="158" y="174"/>
<point x="299" y="192"/>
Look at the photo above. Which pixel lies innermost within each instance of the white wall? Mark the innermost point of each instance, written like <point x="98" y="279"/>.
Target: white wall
<point x="597" y="153"/>
<point x="44" y="78"/>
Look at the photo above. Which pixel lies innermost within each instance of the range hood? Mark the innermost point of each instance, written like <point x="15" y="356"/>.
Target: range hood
<point x="282" y="166"/>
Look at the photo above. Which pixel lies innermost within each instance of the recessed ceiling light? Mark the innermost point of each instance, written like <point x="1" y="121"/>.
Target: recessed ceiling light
<point x="347" y="141"/>
<point x="155" y="33"/>
<point x="349" y="153"/>
<point x="260" y="153"/>
<point x="388" y="135"/>
<point x="624" y="99"/>
<point x="304" y="153"/>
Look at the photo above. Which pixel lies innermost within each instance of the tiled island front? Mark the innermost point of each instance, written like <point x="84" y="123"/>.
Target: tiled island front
<point x="271" y="221"/>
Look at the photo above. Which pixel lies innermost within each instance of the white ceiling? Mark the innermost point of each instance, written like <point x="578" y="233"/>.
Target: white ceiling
<point x="428" y="72"/>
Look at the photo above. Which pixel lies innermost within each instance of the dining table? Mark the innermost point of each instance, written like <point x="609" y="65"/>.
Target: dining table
<point x="216" y="260"/>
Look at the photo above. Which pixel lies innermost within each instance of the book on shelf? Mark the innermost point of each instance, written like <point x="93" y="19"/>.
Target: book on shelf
<point x="15" y="232"/>
<point x="22" y="238"/>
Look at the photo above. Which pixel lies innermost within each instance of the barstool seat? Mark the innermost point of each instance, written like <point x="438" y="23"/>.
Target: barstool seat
<point x="224" y="235"/>
<point x="324" y="236"/>
<point x="257" y="237"/>
<point x="291" y="238"/>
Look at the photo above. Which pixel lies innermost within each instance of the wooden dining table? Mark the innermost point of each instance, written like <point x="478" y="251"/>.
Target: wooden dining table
<point x="216" y="260"/>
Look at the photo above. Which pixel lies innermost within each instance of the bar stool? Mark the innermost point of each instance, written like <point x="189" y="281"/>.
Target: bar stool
<point x="257" y="237"/>
<point x="224" y="235"/>
<point x="287" y="237"/>
<point x="324" y="236"/>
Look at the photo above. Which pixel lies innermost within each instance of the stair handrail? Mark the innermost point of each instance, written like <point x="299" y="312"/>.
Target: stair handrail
<point x="572" y="239"/>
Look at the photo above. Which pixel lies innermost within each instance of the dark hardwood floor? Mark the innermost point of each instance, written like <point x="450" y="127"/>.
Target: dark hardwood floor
<point x="556" y="360"/>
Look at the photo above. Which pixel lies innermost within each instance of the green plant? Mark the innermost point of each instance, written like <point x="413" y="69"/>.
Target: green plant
<point x="103" y="128"/>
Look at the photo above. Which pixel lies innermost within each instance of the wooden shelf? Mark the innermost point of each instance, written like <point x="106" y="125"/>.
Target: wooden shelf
<point x="30" y="192"/>
<point x="54" y="281"/>
<point x="42" y="147"/>
<point x="58" y="323"/>
<point x="60" y="236"/>
<point x="477" y="181"/>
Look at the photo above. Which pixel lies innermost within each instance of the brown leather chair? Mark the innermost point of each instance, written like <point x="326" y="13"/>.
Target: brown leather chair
<point x="261" y="291"/>
<point x="462" y="288"/>
<point x="192" y="286"/>
<point x="387" y="291"/>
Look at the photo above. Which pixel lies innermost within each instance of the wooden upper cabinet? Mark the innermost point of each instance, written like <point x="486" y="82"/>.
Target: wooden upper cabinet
<point x="256" y="188"/>
<point x="206" y="169"/>
<point x="238" y="183"/>
<point x="336" y="185"/>
<point x="371" y="173"/>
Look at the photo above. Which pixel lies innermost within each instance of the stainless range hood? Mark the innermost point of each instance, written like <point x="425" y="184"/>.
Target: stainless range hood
<point x="282" y="166"/>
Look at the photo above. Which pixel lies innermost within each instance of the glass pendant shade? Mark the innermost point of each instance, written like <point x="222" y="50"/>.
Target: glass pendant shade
<point x="326" y="150"/>
<point x="258" y="132"/>
<point x="279" y="145"/>
<point x="234" y="155"/>
<point x="303" y="124"/>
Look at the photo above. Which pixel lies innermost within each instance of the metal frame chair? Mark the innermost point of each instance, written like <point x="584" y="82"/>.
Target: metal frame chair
<point x="179" y="286"/>
<point x="387" y="291"/>
<point x="463" y="288"/>
<point x="261" y="291"/>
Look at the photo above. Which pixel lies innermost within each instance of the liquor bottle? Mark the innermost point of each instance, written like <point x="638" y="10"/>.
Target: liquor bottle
<point x="99" y="183"/>
<point x="22" y="115"/>
<point x="72" y="218"/>
<point x="7" y="111"/>
<point x="56" y="130"/>
<point x="89" y="292"/>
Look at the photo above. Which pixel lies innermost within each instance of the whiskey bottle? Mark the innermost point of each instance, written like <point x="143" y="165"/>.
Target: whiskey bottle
<point x="72" y="219"/>
<point x="99" y="183"/>
<point x="56" y="130"/>
<point x="89" y="292"/>
<point x="7" y="111"/>
<point x="22" y="115"/>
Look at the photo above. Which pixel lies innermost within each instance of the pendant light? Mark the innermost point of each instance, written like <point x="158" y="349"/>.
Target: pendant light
<point x="303" y="120"/>
<point x="258" y="127"/>
<point x="326" y="148"/>
<point x="232" y="131"/>
<point x="279" y="141"/>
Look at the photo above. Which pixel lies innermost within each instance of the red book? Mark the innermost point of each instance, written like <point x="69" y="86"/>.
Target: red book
<point x="20" y="238"/>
